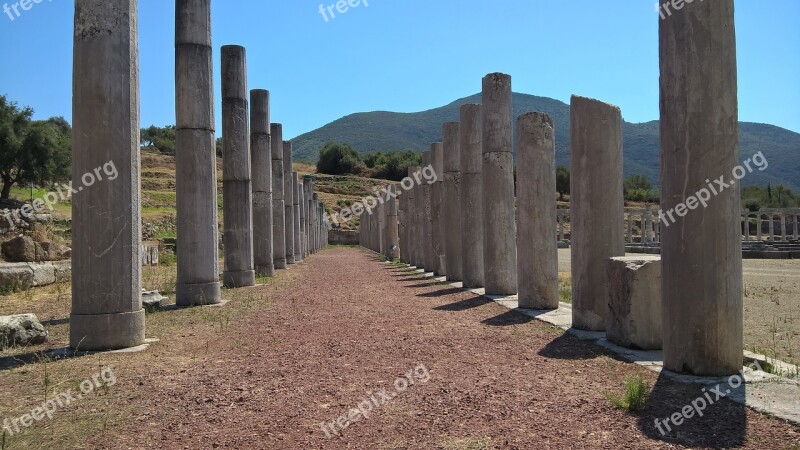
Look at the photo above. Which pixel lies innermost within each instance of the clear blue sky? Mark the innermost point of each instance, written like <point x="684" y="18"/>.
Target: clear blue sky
<point x="412" y="55"/>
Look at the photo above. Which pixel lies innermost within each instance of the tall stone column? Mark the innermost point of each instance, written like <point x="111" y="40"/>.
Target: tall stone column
<point x="411" y="215"/>
<point x="437" y="206"/>
<point x="470" y="144"/>
<point x="392" y="227"/>
<point x="630" y="227"/>
<point x="746" y="225"/>
<point x="195" y="157"/>
<point x="783" y="227"/>
<point x="302" y="207"/>
<point x="308" y="188"/>
<point x="596" y="207"/>
<point x="760" y="224"/>
<point x="106" y="220"/>
<point x="317" y="217"/>
<point x="401" y="227"/>
<point x="278" y="202"/>
<point x="288" y="195"/>
<point x="701" y="268"/>
<point x="537" y="249"/>
<point x="452" y="201"/>
<point x="796" y="230"/>
<point x="419" y="239"/>
<point x="430" y="257"/>
<point x="261" y="157"/>
<point x="236" y="182"/>
<point x="298" y="255"/>
<point x="771" y="227"/>
<point x="499" y="227"/>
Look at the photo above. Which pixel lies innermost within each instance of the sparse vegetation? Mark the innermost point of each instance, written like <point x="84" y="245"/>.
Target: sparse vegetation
<point x="635" y="397"/>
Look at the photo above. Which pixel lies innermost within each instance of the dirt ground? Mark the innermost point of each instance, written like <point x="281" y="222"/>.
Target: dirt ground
<point x="771" y="305"/>
<point x="431" y="366"/>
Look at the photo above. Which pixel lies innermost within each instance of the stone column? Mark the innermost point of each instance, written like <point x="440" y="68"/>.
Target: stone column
<point x="470" y="144"/>
<point x="783" y="228"/>
<point x="771" y="227"/>
<point x="288" y="194"/>
<point x="562" y="217"/>
<point x="411" y="214"/>
<point x="746" y="226"/>
<point x="392" y="229"/>
<point x="437" y="205"/>
<point x="298" y="255"/>
<point x="537" y="249"/>
<point x="702" y="269"/>
<point x="646" y="221"/>
<point x="308" y="187"/>
<point x="596" y="207"/>
<point x="630" y="227"/>
<point x="380" y="219"/>
<point x="431" y="259"/>
<point x="261" y="157"/>
<point x="452" y="202"/>
<point x="759" y="231"/>
<point x="796" y="231"/>
<point x="317" y="218"/>
<point x="195" y="157"/>
<point x="499" y="249"/>
<point x="302" y="206"/>
<point x="236" y="185"/>
<point x="278" y="201"/>
<point x="106" y="220"/>
<point x="401" y="225"/>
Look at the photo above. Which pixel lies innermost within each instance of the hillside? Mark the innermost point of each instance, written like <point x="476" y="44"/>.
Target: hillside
<point x="384" y="131"/>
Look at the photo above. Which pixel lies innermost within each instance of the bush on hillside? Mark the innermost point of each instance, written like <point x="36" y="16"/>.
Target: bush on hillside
<point x="337" y="159"/>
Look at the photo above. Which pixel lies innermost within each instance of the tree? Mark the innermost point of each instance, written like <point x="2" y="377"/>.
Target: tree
<point x="562" y="181"/>
<point x="637" y="182"/>
<point x="160" y="139"/>
<point x="32" y="151"/>
<point x="337" y="159"/>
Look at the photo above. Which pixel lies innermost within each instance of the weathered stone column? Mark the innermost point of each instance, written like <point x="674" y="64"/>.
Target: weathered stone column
<point x="288" y="196"/>
<point x="261" y="157"/>
<point x="630" y="227"/>
<point x="106" y="220"/>
<point x="236" y="184"/>
<point x="437" y="206"/>
<point x="317" y="219"/>
<point x="702" y="269"/>
<point x="431" y="259"/>
<point x="796" y="231"/>
<point x="401" y="226"/>
<point x="783" y="227"/>
<point x="302" y="207"/>
<point x="411" y="215"/>
<point x="760" y="223"/>
<point x="452" y="202"/>
<point x="499" y="227"/>
<point x="195" y="157"/>
<point x="771" y="227"/>
<point x="471" y="151"/>
<point x="746" y="225"/>
<point x="392" y="228"/>
<point x="308" y="188"/>
<point x="278" y="202"/>
<point x="298" y="254"/>
<point x="596" y="207"/>
<point x="537" y="249"/>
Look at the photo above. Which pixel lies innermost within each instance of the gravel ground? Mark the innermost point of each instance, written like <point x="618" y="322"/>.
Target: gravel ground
<point x="458" y="372"/>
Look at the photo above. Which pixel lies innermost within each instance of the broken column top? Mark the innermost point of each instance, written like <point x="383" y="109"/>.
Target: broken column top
<point x="234" y="72"/>
<point x="437" y="150"/>
<point x="593" y="105"/>
<point x="259" y="111"/>
<point x="276" y="130"/>
<point x="452" y="153"/>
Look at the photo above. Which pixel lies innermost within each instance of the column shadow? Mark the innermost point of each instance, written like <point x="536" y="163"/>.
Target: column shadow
<point x="463" y="305"/>
<point x="440" y="293"/>
<point x="508" y="318"/>
<point x="567" y="346"/>
<point x="686" y="417"/>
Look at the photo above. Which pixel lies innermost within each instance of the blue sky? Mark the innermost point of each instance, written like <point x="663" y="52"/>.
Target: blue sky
<point x="412" y="55"/>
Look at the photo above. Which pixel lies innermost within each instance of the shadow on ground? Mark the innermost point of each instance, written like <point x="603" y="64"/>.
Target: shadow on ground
<point x="694" y="415"/>
<point x="463" y="305"/>
<point x="441" y="292"/>
<point x="568" y="346"/>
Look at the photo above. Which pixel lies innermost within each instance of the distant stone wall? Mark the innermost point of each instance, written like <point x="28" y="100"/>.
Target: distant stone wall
<point x="343" y="237"/>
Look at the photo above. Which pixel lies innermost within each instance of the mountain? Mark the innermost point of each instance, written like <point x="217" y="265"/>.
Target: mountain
<point x="384" y="131"/>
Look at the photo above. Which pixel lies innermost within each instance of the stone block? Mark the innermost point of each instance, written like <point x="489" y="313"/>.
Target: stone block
<point x="21" y="330"/>
<point x="634" y="302"/>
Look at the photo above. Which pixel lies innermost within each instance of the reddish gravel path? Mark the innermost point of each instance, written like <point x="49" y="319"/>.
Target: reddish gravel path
<point x="350" y="325"/>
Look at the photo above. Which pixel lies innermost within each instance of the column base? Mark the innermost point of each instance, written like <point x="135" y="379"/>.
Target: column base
<point x="290" y="260"/>
<point x="265" y="271"/>
<point x="280" y="264"/>
<point x="198" y="294"/>
<point x="239" y="279"/>
<point x="97" y="332"/>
